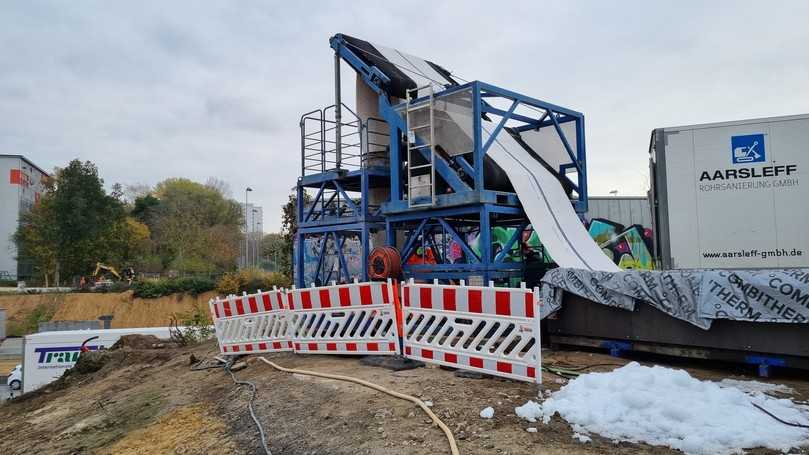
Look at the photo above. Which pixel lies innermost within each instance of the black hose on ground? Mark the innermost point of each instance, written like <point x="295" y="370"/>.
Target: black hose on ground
<point x="792" y="424"/>
<point x="200" y="366"/>
<point x="250" y="406"/>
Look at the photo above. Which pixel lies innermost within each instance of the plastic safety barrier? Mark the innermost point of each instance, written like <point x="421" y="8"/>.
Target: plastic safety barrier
<point x="356" y="318"/>
<point x="486" y="329"/>
<point x="252" y="323"/>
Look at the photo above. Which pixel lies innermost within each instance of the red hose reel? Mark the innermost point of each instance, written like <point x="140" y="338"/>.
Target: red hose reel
<point x="384" y="262"/>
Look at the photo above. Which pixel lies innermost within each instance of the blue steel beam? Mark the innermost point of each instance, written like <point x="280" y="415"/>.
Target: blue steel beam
<point x="527" y="99"/>
<point x="544" y="123"/>
<point x="462" y="242"/>
<point x="314" y="202"/>
<point x="415" y="238"/>
<point x="477" y="139"/>
<point x="324" y="242"/>
<point x="409" y="243"/>
<point x="438" y="253"/>
<point x="326" y="204"/>
<point x="499" y="127"/>
<point x="358" y="226"/>
<point x="341" y="258"/>
<point x="349" y="201"/>
<point x="373" y="77"/>
<point x="444" y="170"/>
<point x="565" y="142"/>
<point x="488" y="109"/>
<point x="581" y="154"/>
<point x="507" y="247"/>
<point x="461" y="161"/>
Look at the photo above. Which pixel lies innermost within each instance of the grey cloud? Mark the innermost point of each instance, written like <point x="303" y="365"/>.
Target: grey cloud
<point x="160" y="89"/>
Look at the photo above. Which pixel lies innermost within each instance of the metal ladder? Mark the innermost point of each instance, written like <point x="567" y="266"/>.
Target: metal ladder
<point x="412" y="146"/>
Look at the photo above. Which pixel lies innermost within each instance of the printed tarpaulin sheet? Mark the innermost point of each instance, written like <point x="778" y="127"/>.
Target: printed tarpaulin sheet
<point x="696" y="296"/>
<point x="756" y="295"/>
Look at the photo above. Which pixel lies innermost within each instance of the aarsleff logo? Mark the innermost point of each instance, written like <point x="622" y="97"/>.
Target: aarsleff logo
<point x="747" y="149"/>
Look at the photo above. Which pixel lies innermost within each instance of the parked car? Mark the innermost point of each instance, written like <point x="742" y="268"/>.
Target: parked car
<point x="14" y="380"/>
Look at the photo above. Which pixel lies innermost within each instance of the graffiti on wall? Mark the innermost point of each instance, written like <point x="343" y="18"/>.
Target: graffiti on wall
<point x="330" y="266"/>
<point x="629" y="247"/>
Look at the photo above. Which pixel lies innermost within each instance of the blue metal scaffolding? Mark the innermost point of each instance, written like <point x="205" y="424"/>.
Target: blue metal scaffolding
<point x="466" y="206"/>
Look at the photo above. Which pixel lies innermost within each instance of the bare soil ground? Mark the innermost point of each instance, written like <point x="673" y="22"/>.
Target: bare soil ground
<point x="149" y="401"/>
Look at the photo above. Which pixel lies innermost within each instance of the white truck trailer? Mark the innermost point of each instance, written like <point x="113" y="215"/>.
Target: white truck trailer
<point x="47" y="355"/>
<point x="731" y="195"/>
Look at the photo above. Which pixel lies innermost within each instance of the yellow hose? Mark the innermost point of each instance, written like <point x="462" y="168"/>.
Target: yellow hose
<point x="453" y="446"/>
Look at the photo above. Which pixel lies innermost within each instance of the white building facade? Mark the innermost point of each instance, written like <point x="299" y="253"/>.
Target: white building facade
<point x="23" y="183"/>
<point x="253" y="229"/>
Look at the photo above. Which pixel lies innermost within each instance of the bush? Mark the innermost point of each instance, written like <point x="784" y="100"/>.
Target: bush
<point x="250" y="281"/>
<point x="8" y="283"/>
<point x="196" y="326"/>
<point x="29" y="323"/>
<point x="152" y="289"/>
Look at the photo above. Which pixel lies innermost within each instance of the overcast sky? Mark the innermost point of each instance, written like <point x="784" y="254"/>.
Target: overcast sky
<point x="151" y="90"/>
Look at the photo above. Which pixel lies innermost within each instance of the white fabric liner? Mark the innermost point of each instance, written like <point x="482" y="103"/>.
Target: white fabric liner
<point x="545" y="202"/>
<point x="414" y="67"/>
<point x="547" y="141"/>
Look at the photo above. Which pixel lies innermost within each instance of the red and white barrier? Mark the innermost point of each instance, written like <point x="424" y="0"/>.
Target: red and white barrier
<point x="356" y="318"/>
<point x="252" y="323"/>
<point x="486" y="329"/>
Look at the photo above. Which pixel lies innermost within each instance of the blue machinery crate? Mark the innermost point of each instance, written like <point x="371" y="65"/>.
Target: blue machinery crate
<point x="377" y="181"/>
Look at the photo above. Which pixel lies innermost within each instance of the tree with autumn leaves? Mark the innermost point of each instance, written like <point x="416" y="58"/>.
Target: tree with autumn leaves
<point x="179" y="225"/>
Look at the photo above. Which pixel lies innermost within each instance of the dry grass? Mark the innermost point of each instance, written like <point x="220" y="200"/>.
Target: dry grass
<point x="127" y="310"/>
<point x="188" y="430"/>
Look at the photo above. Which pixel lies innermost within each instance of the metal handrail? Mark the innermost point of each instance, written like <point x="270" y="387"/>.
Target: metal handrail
<point x="321" y="149"/>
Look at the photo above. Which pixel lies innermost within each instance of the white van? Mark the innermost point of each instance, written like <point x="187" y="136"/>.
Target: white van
<point x="47" y="355"/>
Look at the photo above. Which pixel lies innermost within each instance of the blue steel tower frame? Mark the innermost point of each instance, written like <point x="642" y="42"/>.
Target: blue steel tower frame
<point x="467" y="206"/>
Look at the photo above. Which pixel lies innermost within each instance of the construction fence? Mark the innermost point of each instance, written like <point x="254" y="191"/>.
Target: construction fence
<point x="487" y="329"/>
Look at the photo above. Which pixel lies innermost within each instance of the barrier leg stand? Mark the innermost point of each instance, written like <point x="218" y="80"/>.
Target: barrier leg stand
<point x="398" y="362"/>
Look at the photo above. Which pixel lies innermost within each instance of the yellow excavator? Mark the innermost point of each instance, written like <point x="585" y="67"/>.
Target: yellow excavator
<point x="102" y="273"/>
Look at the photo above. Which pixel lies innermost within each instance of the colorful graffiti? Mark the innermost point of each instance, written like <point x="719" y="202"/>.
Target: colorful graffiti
<point x="529" y="247"/>
<point x="330" y="266"/>
<point x="629" y="247"/>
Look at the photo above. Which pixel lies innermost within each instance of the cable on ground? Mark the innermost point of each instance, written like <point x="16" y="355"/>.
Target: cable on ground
<point x="792" y="424"/>
<point x="250" y="406"/>
<point x="204" y="365"/>
<point x="453" y="446"/>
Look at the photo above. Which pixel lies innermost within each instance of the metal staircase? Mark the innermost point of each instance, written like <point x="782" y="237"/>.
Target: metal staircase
<point x="420" y="177"/>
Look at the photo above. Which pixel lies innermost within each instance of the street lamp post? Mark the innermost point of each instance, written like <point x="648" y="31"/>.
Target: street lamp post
<point x="253" y="234"/>
<point x="246" y="234"/>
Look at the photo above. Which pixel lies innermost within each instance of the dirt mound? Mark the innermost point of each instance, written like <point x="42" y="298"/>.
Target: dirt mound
<point x="137" y="341"/>
<point x="151" y="401"/>
<point x="90" y="362"/>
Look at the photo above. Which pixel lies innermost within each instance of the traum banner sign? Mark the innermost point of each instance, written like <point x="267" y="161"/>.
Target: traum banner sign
<point x="733" y="195"/>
